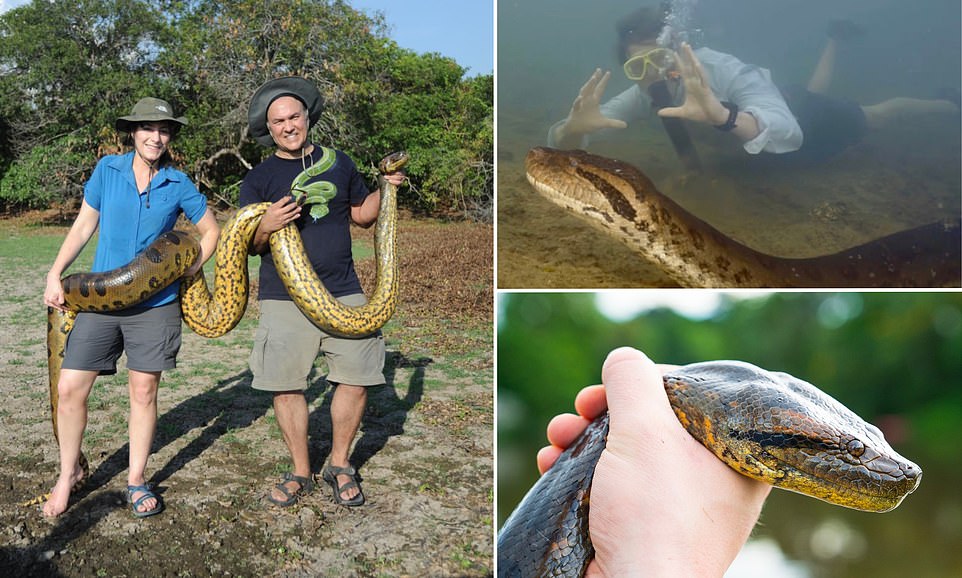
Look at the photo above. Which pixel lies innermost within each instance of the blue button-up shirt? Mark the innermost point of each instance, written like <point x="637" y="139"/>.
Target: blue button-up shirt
<point x="127" y="224"/>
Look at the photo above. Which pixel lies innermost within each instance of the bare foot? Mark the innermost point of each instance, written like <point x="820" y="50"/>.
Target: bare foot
<point x="60" y="494"/>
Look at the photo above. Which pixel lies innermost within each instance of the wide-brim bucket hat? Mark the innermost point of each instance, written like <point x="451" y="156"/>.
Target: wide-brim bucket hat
<point x="149" y="110"/>
<point x="300" y="88"/>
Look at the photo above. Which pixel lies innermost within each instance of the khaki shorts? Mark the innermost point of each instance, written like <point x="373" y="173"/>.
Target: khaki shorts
<point x="286" y="344"/>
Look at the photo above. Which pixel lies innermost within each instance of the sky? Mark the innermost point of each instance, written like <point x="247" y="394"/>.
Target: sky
<point x="459" y="29"/>
<point x="8" y="4"/>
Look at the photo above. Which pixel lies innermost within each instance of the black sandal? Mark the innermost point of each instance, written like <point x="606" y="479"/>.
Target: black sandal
<point x="307" y="486"/>
<point x="330" y="476"/>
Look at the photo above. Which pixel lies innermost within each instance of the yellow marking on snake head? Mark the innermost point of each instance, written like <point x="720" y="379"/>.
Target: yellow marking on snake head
<point x="709" y="436"/>
<point x="682" y="417"/>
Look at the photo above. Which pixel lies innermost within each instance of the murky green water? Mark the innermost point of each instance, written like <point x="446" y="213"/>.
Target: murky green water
<point x="905" y="175"/>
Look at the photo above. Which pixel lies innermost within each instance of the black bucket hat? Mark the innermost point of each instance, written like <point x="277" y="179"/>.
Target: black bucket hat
<point x="149" y="110"/>
<point x="300" y="88"/>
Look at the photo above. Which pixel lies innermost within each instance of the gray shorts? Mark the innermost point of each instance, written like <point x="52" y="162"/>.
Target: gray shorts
<point x="286" y="344"/>
<point x="151" y="338"/>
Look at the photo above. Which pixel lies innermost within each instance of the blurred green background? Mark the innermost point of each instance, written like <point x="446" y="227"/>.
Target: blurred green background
<point x="893" y="358"/>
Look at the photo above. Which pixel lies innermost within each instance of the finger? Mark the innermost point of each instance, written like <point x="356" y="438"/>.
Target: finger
<point x="565" y="428"/>
<point x="671" y="112"/>
<point x="547" y="456"/>
<point x="578" y="104"/>
<point x="285" y="202"/>
<point x="614" y="123"/>
<point x="589" y="86"/>
<point x="291" y="211"/>
<point x="591" y="401"/>
<point x="602" y="84"/>
<point x="695" y="64"/>
<point x="685" y="60"/>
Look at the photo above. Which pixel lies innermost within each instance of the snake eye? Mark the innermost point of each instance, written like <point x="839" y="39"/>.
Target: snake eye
<point x="856" y="448"/>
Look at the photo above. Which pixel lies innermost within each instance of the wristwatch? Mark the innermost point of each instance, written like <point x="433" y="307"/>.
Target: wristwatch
<point x="732" y="115"/>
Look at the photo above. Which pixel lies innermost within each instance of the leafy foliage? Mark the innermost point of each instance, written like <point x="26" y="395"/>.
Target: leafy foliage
<point x="69" y="69"/>
<point x="45" y="172"/>
<point x="885" y="352"/>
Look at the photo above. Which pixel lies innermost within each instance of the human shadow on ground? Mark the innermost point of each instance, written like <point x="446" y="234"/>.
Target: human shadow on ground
<point x="385" y="416"/>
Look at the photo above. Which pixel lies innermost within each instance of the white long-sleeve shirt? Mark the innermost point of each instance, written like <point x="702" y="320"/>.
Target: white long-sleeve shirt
<point x="747" y="85"/>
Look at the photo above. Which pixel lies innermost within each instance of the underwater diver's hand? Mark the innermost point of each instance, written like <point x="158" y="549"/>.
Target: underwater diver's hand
<point x="701" y="104"/>
<point x="585" y="116"/>
<point x="652" y="469"/>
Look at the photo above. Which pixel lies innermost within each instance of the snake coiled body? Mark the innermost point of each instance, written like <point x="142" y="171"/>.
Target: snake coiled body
<point x="619" y="198"/>
<point x="768" y="426"/>
<point x="212" y="314"/>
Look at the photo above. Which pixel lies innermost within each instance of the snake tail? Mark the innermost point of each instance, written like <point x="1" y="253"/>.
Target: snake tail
<point x="555" y="542"/>
<point x="164" y="261"/>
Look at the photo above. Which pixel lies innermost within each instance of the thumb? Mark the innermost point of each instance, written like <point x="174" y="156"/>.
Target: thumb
<point x="634" y="388"/>
<point x="670" y="112"/>
<point x="615" y="123"/>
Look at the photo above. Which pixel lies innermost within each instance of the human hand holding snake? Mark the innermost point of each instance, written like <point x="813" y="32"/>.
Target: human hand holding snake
<point x="53" y="294"/>
<point x="700" y="504"/>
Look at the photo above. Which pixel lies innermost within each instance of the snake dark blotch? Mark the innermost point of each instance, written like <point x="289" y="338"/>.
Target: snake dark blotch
<point x="619" y="198"/>
<point x="212" y="314"/>
<point x="769" y="426"/>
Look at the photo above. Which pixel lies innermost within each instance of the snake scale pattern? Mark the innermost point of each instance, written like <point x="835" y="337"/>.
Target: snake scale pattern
<point x="769" y="426"/>
<point x="212" y="314"/>
<point x="621" y="200"/>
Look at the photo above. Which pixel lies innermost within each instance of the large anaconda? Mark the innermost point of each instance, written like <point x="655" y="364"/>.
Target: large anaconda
<point x="623" y="201"/>
<point x="212" y="314"/>
<point x="765" y="425"/>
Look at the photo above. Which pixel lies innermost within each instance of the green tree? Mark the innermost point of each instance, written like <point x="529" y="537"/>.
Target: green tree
<point x="221" y="52"/>
<point x="433" y="113"/>
<point x="67" y="71"/>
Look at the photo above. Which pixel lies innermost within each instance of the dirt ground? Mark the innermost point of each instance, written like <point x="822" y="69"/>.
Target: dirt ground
<point x="424" y="453"/>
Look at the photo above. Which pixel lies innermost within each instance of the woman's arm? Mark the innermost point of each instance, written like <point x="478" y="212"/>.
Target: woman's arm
<point x="80" y="232"/>
<point x="209" y="234"/>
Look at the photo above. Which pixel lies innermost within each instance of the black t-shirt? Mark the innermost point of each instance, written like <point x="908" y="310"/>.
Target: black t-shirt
<point x="327" y="240"/>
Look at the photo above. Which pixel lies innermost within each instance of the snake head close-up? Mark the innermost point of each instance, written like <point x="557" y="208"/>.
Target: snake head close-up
<point x="784" y="431"/>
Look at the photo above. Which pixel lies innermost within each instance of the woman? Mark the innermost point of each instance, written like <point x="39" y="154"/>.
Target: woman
<point x="132" y="198"/>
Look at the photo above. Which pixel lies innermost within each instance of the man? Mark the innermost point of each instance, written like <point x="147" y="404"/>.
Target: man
<point x="286" y="343"/>
<point x="717" y="89"/>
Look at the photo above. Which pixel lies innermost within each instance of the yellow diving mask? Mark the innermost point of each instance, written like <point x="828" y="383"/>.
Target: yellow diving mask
<point x="661" y="60"/>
